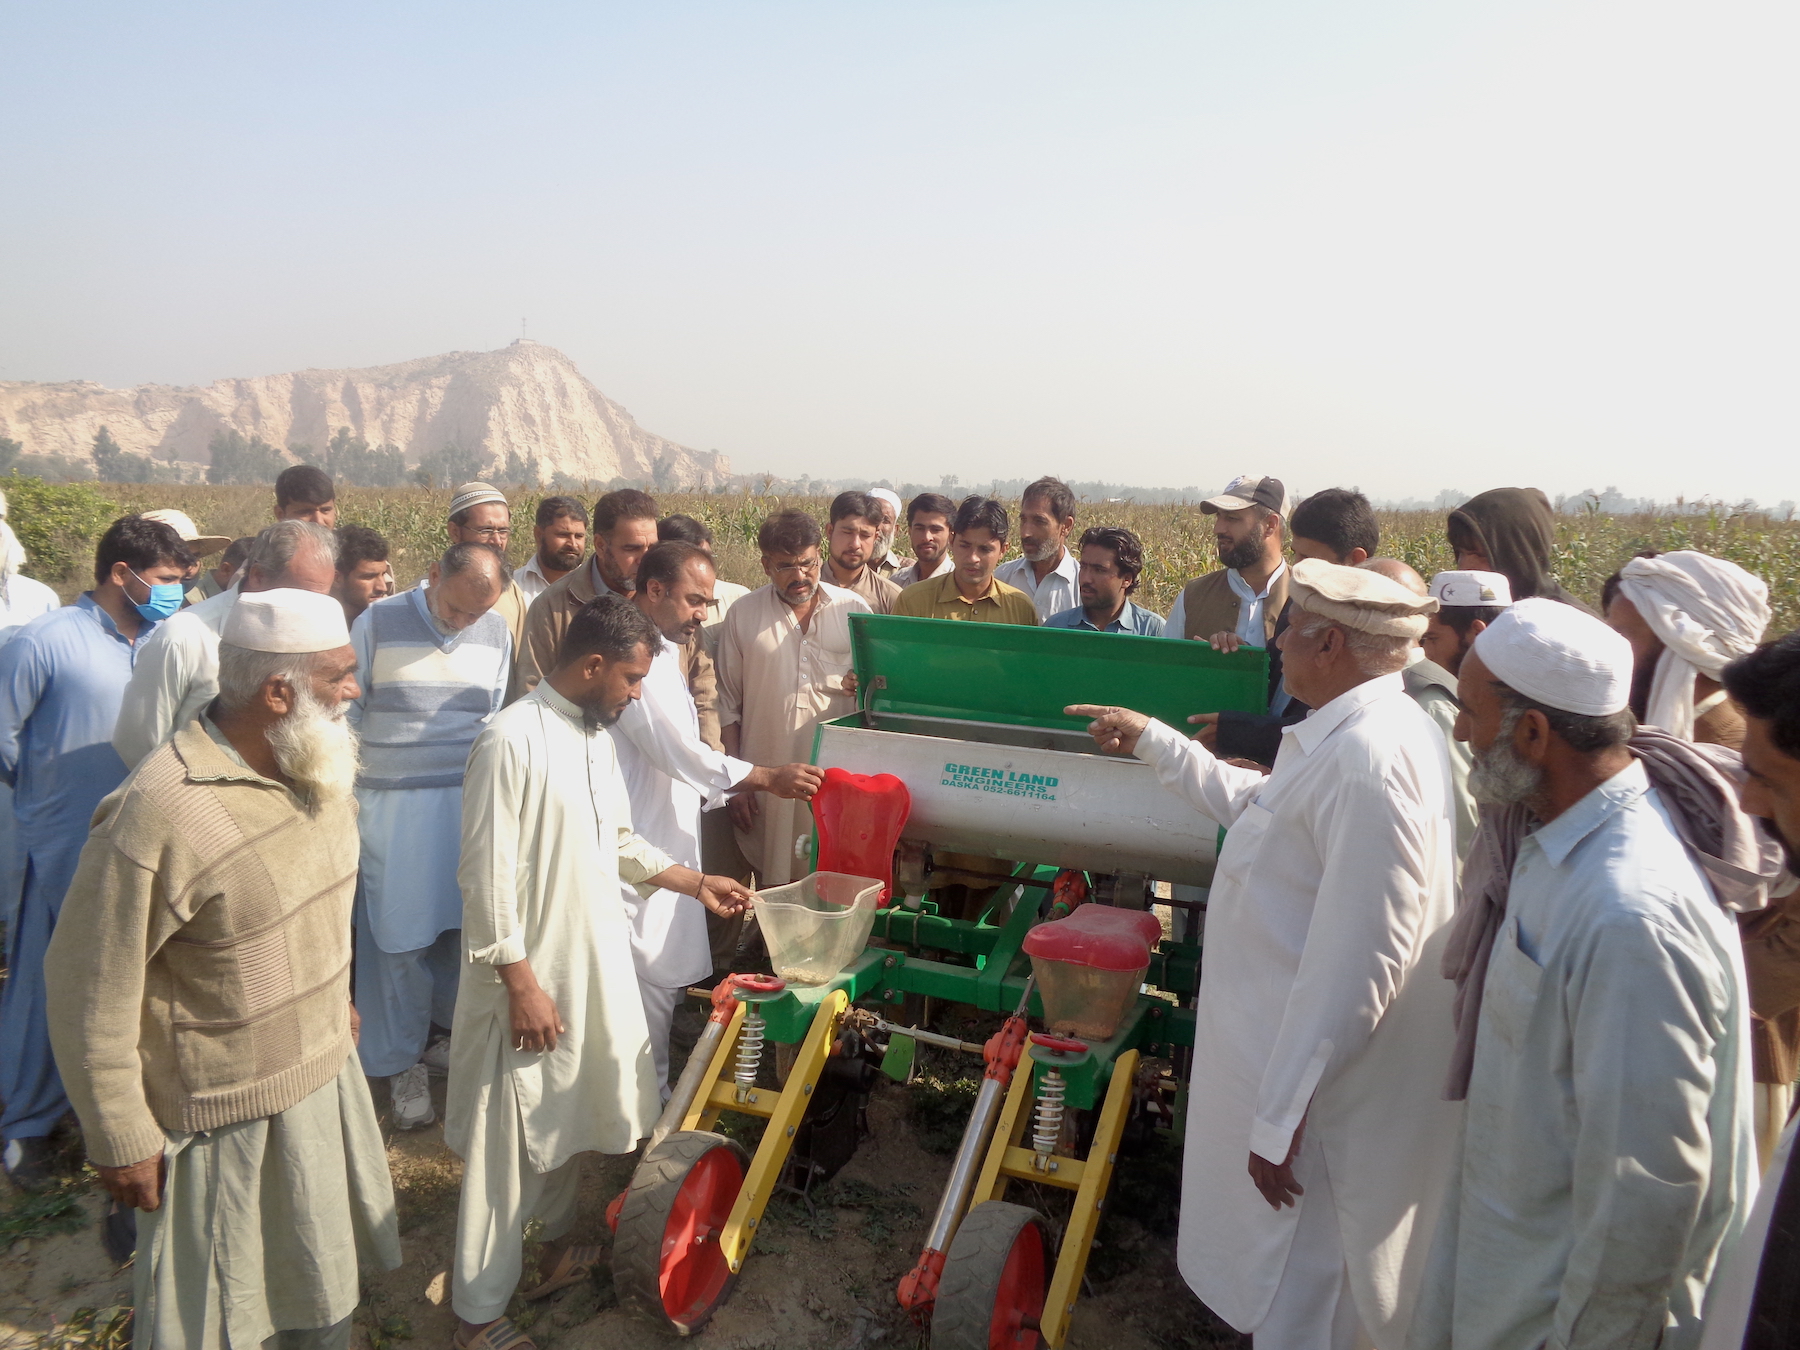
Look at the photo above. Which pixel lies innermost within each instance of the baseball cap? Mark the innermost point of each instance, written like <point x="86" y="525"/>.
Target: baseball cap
<point x="1247" y="490"/>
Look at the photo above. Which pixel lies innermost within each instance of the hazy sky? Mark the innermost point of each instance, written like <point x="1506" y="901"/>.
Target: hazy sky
<point x="1405" y="244"/>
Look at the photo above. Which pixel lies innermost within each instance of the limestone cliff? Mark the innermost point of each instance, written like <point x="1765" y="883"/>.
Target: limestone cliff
<point x="526" y="400"/>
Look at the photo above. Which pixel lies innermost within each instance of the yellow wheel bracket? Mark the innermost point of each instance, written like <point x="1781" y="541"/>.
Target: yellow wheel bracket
<point x="784" y="1120"/>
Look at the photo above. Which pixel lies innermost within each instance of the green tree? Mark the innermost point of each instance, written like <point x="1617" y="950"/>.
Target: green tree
<point x="248" y="462"/>
<point x="113" y="465"/>
<point x="449" y="466"/>
<point x="351" y="459"/>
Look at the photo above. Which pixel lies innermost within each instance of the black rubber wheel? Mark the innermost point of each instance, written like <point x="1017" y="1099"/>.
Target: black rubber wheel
<point x="991" y="1294"/>
<point x="666" y="1259"/>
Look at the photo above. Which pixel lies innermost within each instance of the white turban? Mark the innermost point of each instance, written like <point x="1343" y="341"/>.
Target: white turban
<point x="1559" y="656"/>
<point x="889" y="496"/>
<point x="286" y="620"/>
<point x="1706" y="611"/>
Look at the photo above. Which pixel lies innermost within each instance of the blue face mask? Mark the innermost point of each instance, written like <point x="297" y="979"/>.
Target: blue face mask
<point x="163" y="601"/>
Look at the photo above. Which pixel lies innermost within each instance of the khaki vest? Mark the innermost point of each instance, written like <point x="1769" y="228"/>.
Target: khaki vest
<point x="1209" y="605"/>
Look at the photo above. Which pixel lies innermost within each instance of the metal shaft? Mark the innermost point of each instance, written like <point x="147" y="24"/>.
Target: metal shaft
<point x="928" y="1037"/>
<point x="972" y="1151"/>
<point x="693" y="1073"/>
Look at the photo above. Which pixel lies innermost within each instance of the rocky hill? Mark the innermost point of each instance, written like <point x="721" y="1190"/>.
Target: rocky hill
<point x="524" y="404"/>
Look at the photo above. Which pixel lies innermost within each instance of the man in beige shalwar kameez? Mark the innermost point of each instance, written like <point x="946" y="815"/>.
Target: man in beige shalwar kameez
<point x="550" y="1054"/>
<point x="783" y="653"/>
<point x="199" y="1001"/>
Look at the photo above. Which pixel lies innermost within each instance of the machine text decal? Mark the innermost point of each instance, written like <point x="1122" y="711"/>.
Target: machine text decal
<point x="977" y="778"/>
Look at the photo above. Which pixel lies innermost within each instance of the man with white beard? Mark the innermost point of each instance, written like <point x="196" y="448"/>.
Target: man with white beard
<point x="1046" y="570"/>
<point x="1317" y="1155"/>
<point x="883" y="559"/>
<point x="200" y="1001"/>
<point x="1602" y="1023"/>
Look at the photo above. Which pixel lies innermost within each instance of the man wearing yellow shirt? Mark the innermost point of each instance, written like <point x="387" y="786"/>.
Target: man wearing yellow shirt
<point x="968" y="590"/>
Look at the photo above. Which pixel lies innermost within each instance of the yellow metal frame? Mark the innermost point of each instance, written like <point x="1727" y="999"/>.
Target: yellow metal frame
<point x="782" y="1110"/>
<point x="1087" y="1177"/>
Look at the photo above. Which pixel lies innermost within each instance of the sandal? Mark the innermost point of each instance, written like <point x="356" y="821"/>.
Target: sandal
<point x="572" y="1267"/>
<point x="501" y="1335"/>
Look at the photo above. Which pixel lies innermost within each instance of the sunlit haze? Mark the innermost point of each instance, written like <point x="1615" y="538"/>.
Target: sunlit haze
<point x="1401" y="245"/>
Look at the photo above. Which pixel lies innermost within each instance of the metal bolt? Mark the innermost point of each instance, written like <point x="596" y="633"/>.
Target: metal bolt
<point x="806" y="1089"/>
<point x="887" y="996"/>
<point x="1111" y="1158"/>
<point x="734" y="1266"/>
<point x="889" y="963"/>
<point x="753" y="1223"/>
<point x="790" y="1132"/>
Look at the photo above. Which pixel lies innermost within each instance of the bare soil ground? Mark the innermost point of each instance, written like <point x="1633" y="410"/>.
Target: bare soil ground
<point x="821" y="1280"/>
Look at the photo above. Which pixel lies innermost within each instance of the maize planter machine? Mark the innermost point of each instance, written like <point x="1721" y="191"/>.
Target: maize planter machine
<point x="958" y="766"/>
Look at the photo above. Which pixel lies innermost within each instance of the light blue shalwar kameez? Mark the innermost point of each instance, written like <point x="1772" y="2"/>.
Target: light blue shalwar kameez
<point x="1608" y="1159"/>
<point x="62" y="677"/>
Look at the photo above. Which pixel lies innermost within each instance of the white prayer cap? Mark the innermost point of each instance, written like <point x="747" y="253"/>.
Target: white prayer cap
<point x="475" y="494"/>
<point x="1472" y="590"/>
<point x="286" y="620"/>
<point x="1247" y="490"/>
<point x="1358" y="598"/>
<point x="892" y="498"/>
<point x="183" y="524"/>
<point x="1559" y="656"/>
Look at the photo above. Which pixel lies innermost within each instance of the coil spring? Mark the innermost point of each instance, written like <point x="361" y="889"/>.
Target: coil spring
<point x="749" y="1051"/>
<point x="1048" y="1129"/>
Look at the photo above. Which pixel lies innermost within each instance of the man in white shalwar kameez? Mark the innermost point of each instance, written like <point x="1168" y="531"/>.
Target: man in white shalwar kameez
<point x="671" y="775"/>
<point x="1317" y="1144"/>
<point x="783" y="653"/>
<point x="550" y="1056"/>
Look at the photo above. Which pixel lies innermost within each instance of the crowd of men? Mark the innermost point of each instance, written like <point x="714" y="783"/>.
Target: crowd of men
<point x="1499" y="1017"/>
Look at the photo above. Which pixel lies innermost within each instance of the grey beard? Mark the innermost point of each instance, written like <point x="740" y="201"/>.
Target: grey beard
<point x="881" y="550"/>
<point x="1044" y="552"/>
<point x="315" y="747"/>
<point x="1499" y="776"/>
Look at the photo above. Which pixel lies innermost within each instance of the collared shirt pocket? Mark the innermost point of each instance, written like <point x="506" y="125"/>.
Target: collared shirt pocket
<point x="1511" y="992"/>
<point x="1243" y="844"/>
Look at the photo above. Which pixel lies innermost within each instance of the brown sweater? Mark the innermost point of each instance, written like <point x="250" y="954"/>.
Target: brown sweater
<point x="200" y="971"/>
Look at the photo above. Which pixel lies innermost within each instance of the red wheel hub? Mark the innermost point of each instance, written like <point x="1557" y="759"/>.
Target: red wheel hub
<point x="694" y="1269"/>
<point x="1020" y="1302"/>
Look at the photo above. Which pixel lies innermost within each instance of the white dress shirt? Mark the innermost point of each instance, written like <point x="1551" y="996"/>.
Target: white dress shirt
<point x="1059" y="590"/>
<point x="1321" y="1000"/>
<point x="1609" y="1157"/>
<point x="531" y="578"/>
<point x="670" y="776"/>
<point x="176" y="676"/>
<point x="1250" y="612"/>
<point x="910" y="574"/>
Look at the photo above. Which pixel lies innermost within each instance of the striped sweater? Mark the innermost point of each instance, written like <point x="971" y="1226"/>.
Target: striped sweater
<point x="426" y="695"/>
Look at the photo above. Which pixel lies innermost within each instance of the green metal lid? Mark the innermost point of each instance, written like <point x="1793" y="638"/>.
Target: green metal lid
<point x="1011" y="674"/>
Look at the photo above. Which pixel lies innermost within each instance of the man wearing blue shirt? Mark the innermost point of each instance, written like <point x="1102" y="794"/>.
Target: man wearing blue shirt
<point x="61" y="681"/>
<point x="1111" y="561"/>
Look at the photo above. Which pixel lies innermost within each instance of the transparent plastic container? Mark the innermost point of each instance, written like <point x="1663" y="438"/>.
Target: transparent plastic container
<point x="817" y="925"/>
<point x="1090" y="966"/>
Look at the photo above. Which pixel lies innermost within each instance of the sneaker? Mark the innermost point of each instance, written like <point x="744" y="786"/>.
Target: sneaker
<point x="411" y="1092"/>
<point x="31" y="1164"/>
<point x="436" y="1058"/>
